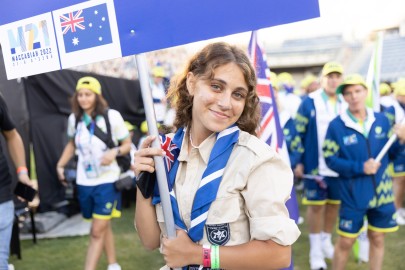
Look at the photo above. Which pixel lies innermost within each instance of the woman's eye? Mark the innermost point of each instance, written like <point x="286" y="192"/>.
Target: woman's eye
<point x="215" y="86"/>
<point x="239" y="95"/>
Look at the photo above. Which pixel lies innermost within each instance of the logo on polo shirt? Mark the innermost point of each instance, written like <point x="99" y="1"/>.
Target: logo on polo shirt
<point x="379" y="134"/>
<point x="349" y="140"/>
<point x="218" y="234"/>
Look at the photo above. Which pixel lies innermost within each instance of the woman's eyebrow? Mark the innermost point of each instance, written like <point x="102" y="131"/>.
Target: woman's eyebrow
<point x="225" y="83"/>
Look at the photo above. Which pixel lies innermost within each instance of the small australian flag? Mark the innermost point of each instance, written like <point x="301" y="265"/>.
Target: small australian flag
<point x="86" y="28"/>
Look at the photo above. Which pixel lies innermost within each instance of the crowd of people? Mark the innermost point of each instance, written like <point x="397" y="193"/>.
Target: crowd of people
<point x="230" y="216"/>
<point x="336" y="162"/>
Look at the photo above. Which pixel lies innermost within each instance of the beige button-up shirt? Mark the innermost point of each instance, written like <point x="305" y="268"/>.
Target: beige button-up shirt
<point x="250" y="203"/>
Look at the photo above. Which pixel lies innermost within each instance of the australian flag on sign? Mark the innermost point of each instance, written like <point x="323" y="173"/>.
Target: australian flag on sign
<point x="86" y="28"/>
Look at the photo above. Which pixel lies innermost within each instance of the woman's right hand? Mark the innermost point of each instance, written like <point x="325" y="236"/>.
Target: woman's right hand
<point x="144" y="156"/>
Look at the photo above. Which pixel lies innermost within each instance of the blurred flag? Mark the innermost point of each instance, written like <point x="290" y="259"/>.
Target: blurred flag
<point x="86" y="28"/>
<point x="373" y="75"/>
<point x="270" y="128"/>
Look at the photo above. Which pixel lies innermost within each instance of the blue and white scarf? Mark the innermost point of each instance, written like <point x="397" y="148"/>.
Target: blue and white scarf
<point x="210" y="181"/>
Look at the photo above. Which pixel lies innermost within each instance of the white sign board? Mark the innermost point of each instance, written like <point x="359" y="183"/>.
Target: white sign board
<point x="71" y="36"/>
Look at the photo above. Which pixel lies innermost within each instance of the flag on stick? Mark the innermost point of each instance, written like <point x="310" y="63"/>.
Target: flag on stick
<point x="373" y="75"/>
<point x="270" y="127"/>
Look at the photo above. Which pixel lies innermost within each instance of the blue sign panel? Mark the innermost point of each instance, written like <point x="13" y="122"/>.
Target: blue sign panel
<point x="155" y="24"/>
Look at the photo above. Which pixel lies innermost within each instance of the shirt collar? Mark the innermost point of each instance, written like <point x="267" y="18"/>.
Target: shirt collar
<point x="204" y="149"/>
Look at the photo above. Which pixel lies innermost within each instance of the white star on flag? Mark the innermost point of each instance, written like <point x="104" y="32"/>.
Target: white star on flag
<point x="75" y="41"/>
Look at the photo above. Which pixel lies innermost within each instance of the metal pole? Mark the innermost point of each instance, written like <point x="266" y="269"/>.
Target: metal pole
<point x="153" y="130"/>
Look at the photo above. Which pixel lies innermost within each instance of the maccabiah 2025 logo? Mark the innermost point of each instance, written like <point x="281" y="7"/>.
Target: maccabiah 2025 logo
<point x="29" y="43"/>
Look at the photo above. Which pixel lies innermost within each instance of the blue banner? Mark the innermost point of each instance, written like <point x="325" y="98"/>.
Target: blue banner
<point x="156" y="24"/>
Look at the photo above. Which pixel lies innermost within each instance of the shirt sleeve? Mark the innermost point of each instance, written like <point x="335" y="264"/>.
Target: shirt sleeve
<point x="71" y="127"/>
<point x="118" y="128"/>
<point x="268" y="188"/>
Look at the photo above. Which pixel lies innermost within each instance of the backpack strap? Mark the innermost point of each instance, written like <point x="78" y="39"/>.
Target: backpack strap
<point x="110" y="142"/>
<point x="76" y="123"/>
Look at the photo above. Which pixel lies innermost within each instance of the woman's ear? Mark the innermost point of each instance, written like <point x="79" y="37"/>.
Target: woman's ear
<point x="190" y="82"/>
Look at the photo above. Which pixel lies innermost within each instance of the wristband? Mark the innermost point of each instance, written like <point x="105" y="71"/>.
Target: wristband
<point x="206" y="255"/>
<point x="215" y="257"/>
<point x="22" y="170"/>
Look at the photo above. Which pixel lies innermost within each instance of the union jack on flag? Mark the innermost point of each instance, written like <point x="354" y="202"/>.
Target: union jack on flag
<point x="170" y="149"/>
<point x="85" y="28"/>
<point x="270" y="128"/>
<point x="71" y="21"/>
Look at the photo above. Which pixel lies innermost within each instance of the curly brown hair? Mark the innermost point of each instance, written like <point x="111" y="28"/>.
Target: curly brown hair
<point x="100" y="108"/>
<point x="203" y="65"/>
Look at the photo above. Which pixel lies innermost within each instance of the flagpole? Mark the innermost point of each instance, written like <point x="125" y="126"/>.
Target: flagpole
<point x="373" y="74"/>
<point x="153" y="130"/>
<point x="388" y="144"/>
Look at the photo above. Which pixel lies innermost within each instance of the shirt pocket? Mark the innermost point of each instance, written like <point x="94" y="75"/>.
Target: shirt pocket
<point x="226" y="222"/>
<point x="224" y="210"/>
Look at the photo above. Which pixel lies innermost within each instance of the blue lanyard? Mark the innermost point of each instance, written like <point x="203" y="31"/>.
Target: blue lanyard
<point x="92" y="128"/>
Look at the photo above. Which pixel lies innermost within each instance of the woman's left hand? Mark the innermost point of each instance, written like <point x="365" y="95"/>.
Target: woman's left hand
<point x="181" y="251"/>
<point x="108" y="157"/>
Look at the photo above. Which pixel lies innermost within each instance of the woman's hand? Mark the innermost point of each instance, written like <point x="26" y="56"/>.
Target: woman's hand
<point x="109" y="156"/>
<point x="181" y="251"/>
<point x="61" y="175"/>
<point x="144" y="156"/>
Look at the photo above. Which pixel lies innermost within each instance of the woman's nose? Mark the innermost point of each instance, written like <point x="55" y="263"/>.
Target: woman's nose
<point x="224" y="100"/>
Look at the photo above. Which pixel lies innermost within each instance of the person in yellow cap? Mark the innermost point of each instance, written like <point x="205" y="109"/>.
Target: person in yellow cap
<point x="389" y="103"/>
<point x="398" y="165"/>
<point x="321" y="196"/>
<point x="309" y="84"/>
<point x="97" y="168"/>
<point x="353" y="139"/>
<point x="286" y="95"/>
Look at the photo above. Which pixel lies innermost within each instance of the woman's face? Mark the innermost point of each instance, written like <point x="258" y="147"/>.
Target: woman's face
<point x="86" y="99"/>
<point x="218" y="102"/>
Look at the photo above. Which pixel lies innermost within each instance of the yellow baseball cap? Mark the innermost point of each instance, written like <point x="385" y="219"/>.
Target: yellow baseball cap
<point x="399" y="81"/>
<point x="144" y="127"/>
<point x="308" y="80"/>
<point x="90" y="83"/>
<point x="285" y="78"/>
<point x="331" y="67"/>
<point x="158" y="71"/>
<point x="351" y="79"/>
<point x="399" y="89"/>
<point x="129" y="126"/>
<point x="274" y="80"/>
<point x="385" y="89"/>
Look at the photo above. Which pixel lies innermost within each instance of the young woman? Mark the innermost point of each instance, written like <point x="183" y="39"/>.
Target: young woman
<point x="97" y="169"/>
<point x="230" y="188"/>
